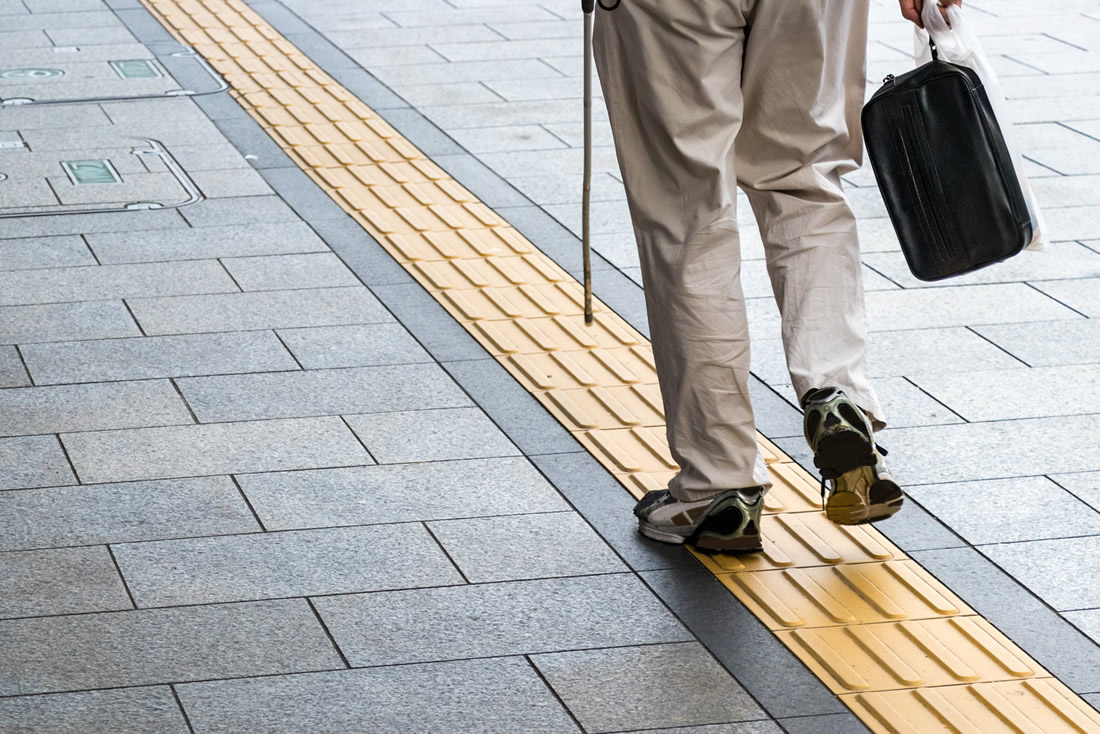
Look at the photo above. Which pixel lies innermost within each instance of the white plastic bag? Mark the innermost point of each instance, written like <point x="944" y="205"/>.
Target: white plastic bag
<point x="958" y="44"/>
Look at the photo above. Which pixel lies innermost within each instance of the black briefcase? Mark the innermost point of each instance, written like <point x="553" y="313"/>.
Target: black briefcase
<point x="944" y="171"/>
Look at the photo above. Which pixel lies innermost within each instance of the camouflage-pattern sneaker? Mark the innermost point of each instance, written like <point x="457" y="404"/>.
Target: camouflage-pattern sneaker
<point x="856" y="486"/>
<point x="729" y="522"/>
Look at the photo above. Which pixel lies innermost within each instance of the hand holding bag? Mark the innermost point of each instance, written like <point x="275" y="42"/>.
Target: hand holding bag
<point x="945" y="172"/>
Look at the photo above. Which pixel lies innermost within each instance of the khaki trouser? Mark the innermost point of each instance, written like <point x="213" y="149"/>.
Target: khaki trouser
<point x="706" y="95"/>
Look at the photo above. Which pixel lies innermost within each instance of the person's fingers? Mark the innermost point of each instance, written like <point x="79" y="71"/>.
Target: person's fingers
<point x="911" y="9"/>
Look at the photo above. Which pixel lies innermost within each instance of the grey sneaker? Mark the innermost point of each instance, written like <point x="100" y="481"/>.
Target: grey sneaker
<point x="860" y="488"/>
<point x="728" y="522"/>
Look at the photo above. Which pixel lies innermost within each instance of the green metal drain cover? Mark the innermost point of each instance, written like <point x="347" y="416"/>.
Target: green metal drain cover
<point x="136" y="69"/>
<point x="96" y="171"/>
<point x="29" y="73"/>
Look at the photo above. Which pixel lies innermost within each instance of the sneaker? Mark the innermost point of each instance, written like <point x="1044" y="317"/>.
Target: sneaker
<point x="728" y="522"/>
<point x="860" y="488"/>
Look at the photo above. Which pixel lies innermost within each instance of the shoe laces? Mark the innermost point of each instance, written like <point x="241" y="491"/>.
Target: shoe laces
<point x="869" y="460"/>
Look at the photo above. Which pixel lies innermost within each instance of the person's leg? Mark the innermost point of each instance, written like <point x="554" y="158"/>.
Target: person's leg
<point x="671" y="76"/>
<point x="804" y="82"/>
<point x="671" y="73"/>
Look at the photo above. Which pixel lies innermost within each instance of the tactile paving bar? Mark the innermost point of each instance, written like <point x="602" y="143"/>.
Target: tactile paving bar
<point x="865" y="618"/>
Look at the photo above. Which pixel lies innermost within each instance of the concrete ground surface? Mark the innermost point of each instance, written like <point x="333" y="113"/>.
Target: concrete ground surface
<point x="254" y="479"/>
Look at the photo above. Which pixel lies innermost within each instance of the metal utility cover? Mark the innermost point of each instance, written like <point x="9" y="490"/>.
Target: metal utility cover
<point x="30" y="74"/>
<point x="95" y="171"/>
<point x="136" y="69"/>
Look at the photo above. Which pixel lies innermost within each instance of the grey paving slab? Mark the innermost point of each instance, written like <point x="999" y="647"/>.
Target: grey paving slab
<point x="1063" y="260"/>
<point x="615" y="690"/>
<point x="961" y="305"/>
<point x="274" y="565"/>
<point x="183" y="451"/>
<point x="44" y="252"/>
<point x="320" y="270"/>
<point x="441" y="94"/>
<point x="1082" y="295"/>
<point x="1013" y="394"/>
<point x="215" y="184"/>
<point x="145" y="647"/>
<point x="830" y="724"/>
<point x="101" y="18"/>
<point x="30" y="38"/>
<point x="1019" y="613"/>
<point x="431" y="435"/>
<point x="116" y="513"/>
<point x="514" y="13"/>
<point x="90" y="407"/>
<point x="1062" y="572"/>
<point x="60" y="581"/>
<point x="376" y="38"/>
<point x="745" y="727"/>
<point x="238" y="210"/>
<point x="205" y="242"/>
<point x="258" y="310"/>
<point x="250" y="139"/>
<point x="1087" y="621"/>
<point x="511" y="407"/>
<point x="973" y="451"/>
<point x="120" y="711"/>
<point x="113" y="281"/>
<point x="327" y="347"/>
<point x="1049" y="342"/>
<point x="51" y="322"/>
<point x="498" y="696"/>
<point x="12" y="372"/>
<point x="157" y="356"/>
<point x="23" y="227"/>
<point x="80" y="37"/>
<point x="399" y="493"/>
<point x="525" y="547"/>
<point x="1028" y="508"/>
<point x="485" y="620"/>
<point x="33" y="461"/>
<point x="1085" y="486"/>
<point x="377" y="389"/>
<point x="465" y="71"/>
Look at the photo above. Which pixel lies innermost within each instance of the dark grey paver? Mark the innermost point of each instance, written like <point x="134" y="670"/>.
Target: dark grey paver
<point x="485" y="620"/>
<point x="251" y="140"/>
<point x="830" y="724"/>
<point x="320" y="270"/>
<point x="58" y="321"/>
<point x="525" y="547"/>
<point x="321" y="392"/>
<point x="263" y="310"/>
<point x="183" y="451"/>
<point x="44" y="252"/>
<point x="499" y="696"/>
<point x="302" y="194"/>
<point x="152" y="357"/>
<point x="274" y="565"/>
<point x="750" y="651"/>
<point x="144" y="647"/>
<point x="1028" y="508"/>
<point x="1048" y="342"/>
<point x="1062" y="571"/>
<point x="241" y="210"/>
<point x="360" y="252"/>
<point x="1058" y="646"/>
<point x="433" y="327"/>
<point x="431" y="435"/>
<point x="113" y="513"/>
<point x="399" y="493"/>
<point x="61" y="581"/>
<point x="90" y="407"/>
<point x="973" y="451"/>
<point x="744" y="727"/>
<point x="326" y="347"/>
<point x="916" y="529"/>
<point x="226" y="241"/>
<point x="120" y="711"/>
<point x="512" y="407"/>
<point x="614" y="690"/>
<point x="482" y="181"/>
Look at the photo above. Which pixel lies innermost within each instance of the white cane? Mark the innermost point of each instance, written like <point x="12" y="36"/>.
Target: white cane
<point x="588" y="6"/>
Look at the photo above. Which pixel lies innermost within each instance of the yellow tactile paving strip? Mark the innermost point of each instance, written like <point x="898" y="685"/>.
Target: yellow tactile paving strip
<point x="899" y="648"/>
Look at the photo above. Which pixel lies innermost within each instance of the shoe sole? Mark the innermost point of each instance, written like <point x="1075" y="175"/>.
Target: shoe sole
<point x="709" y="535"/>
<point x="855" y="507"/>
